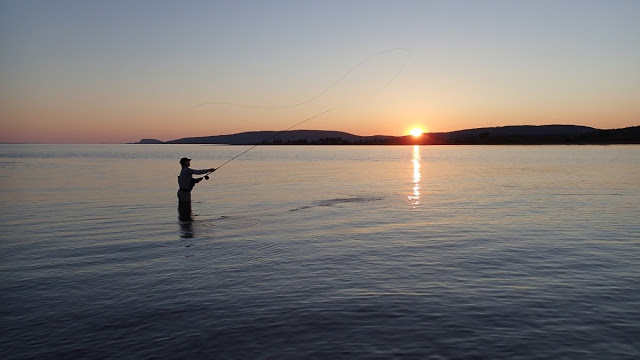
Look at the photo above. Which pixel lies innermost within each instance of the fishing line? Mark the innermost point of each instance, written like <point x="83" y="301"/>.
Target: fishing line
<point x="331" y="86"/>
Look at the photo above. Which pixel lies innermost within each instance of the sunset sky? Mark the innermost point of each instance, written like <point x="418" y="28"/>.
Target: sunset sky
<point x="118" y="71"/>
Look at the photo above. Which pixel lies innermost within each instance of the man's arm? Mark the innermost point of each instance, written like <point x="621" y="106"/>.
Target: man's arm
<point x="204" y="171"/>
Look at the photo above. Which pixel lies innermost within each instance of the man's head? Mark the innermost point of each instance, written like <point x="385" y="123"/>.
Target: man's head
<point x="185" y="161"/>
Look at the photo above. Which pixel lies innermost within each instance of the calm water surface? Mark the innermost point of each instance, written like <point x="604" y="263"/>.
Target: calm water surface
<point x="395" y="252"/>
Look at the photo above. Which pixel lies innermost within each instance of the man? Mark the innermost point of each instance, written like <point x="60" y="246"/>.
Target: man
<point x="186" y="182"/>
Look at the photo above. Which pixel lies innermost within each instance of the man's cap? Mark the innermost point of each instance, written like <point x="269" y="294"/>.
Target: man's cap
<point x="184" y="160"/>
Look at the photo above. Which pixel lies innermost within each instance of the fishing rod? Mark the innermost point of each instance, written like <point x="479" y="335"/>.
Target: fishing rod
<point x="206" y="176"/>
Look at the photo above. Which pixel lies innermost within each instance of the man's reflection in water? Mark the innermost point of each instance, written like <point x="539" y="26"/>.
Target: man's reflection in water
<point x="185" y="217"/>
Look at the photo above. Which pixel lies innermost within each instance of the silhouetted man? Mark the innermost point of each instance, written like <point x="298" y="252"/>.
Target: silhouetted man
<point x="186" y="182"/>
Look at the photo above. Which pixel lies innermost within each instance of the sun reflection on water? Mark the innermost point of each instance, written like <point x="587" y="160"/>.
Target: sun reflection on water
<point x="414" y="198"/>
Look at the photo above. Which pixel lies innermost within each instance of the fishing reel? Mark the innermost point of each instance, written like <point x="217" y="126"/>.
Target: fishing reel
<point x="206" y="177"/>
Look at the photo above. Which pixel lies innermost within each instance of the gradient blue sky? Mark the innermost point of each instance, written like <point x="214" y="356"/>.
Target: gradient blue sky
<point x="118" y="71"/>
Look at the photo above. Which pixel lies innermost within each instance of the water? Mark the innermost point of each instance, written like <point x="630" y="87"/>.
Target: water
<point x="333" y="252"/>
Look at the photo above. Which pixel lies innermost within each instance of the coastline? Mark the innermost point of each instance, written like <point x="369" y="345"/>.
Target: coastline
<point x="507" y="135"/>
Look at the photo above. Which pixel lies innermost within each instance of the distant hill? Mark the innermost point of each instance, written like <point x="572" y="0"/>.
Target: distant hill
<point x="150" y="141"/>
<point x="284" y="138"/>
<point x="525" y="130"/>
<point x="630" y="135"/>
<point x="524" y="134"/>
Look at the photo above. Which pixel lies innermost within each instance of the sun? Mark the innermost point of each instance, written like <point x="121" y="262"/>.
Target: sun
<point x="416" y="132"/>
